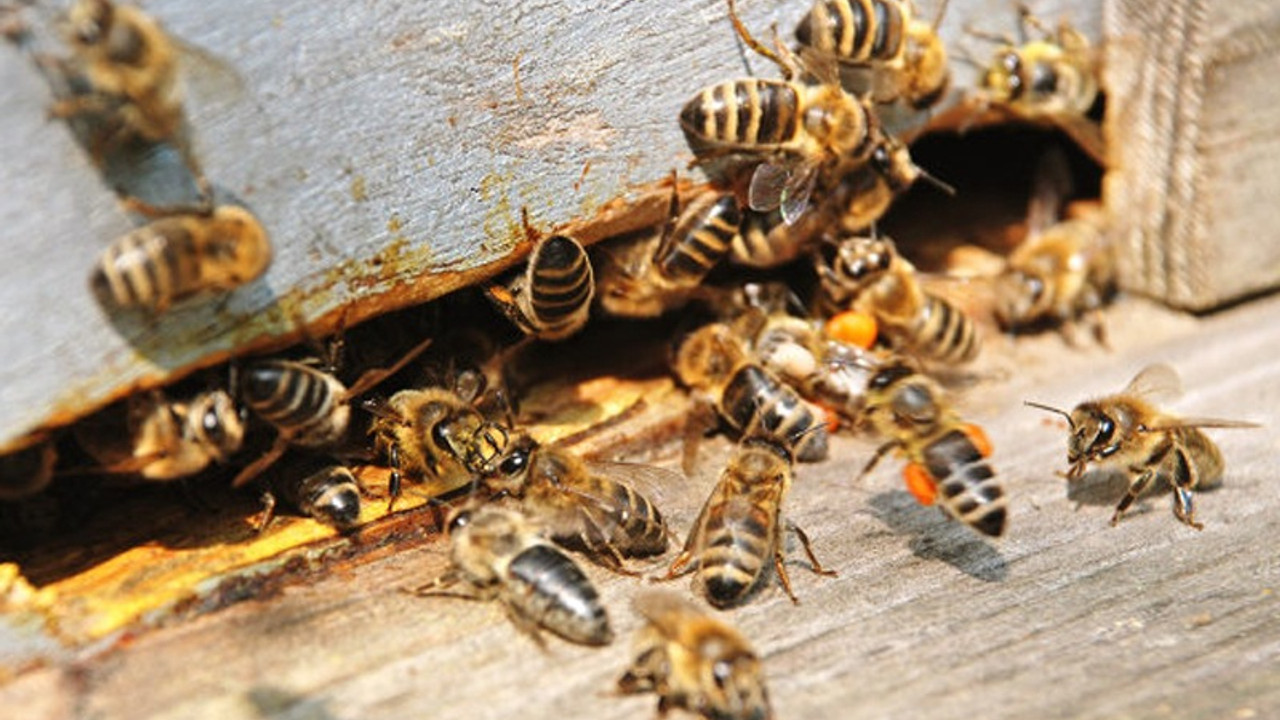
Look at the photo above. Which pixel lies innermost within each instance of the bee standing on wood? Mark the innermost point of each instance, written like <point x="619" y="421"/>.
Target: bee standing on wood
<point x="946" y="457"/>
<point x="694" y="661"/>
<point x="868" y="275"/>
<point x="596" y="506"/>
<point x="740" y="529"/>
<point x="498" y="554"/>
<point x="1128" y="431"/>
<point x="177" y="256"/>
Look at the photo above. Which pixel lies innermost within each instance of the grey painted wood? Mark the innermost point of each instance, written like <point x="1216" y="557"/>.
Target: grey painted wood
<point x="389" y="148"/>
<point x="1064" y="617"/>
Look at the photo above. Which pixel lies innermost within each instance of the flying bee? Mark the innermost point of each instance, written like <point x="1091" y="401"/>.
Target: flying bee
<point x="595" y="506"/>
<point x="1126" y="430"/>
<point x="316" y="487"/>
<point x="28" y="469"/>
<point x="946" y="457"/>
<point x="651" y="274"/>
<point x="131" y="66"/>
<point x="1051" y="80"/>
<point x="309" y="407"/>
<point x="438" y="436"/>
<point x="499" y="554"/>
<point x="715" y="362"/>
<point x="1065" y="269"/>
<point x="160" y="439"/>
<point x="694" y="661"/>
<point x="905" y="55"/>
<point x="740" y="527"/>
<point x="551" y="299"/>
<point x="177" y="256"/>
<point x="868" y="275"/>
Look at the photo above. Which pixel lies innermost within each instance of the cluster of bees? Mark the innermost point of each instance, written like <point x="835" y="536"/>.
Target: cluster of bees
<point x="799" y="169"/>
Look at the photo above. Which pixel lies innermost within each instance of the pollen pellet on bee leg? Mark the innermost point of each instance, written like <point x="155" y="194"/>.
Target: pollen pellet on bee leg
<point x="855" y="328"/>
<point x="920" y="484"/>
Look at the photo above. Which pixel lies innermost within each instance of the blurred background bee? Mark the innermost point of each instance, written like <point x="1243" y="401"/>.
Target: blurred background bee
<point x="946" y="457"/>
<point x="26" y="468"/>
<point x="1065" y="269"/>
<point x="551" y="299"/>
<point x="1052" y="80"/>
<point x="499" y="554"/>
<point x="650" y="274"/>
<point x="716" y="363"/>
<point x="868" y="275"/>
<point x="438" y="436"/>
<point x="159" y="439"/>
<point x="181" y="255"/>
<point x="903" y="56"/>
<point x="593" y="506"/>
<point x="1126" y="430"/>
<point x="695" y="662"/>
<point x="740" y="528"/>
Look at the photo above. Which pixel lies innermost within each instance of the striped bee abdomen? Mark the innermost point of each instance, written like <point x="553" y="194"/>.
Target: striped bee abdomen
<point x="148" y="268"/>
<point x="755" y="402"/>
<point x="747" y="113"/>
<point x="302" y="402"/>
<point x="701" y="243"/>
<point x="548" y="588"/>
<point x="560" y="288"/>
<point x="943" y="332"/>
<point x="739" y="542"/>
<point x="855" y="31"/>
<point x="967" y="486"/>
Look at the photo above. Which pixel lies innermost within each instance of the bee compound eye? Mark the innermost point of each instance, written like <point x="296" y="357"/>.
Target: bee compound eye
<point x="721" y="671"/>
<point x="461" y="520"/>
<point x="514" y="463"/>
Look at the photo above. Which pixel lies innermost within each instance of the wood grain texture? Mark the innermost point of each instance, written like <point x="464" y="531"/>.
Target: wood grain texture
<point x="1197" y="145"/>
<point x="1065" y="617"/>
<point x="387" y="146"/>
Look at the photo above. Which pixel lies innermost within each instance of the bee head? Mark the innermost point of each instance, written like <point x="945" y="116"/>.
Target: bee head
<point x="734" y="681"/>
<point x="863" y="259"/>
<point x="88" y="22"/>
<point x="1020" y="299"/>
<point x="218" y="423"/>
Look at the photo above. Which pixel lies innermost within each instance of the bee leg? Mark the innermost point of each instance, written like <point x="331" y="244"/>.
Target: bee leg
<point x="371" y="378"/>
<point x="1135" y="489"/>
<point x="640" y="677"/>
<point x="679" y="567"/>
<point x="393" y="488"/>
<point x="268" y="512"/>
<point x="701" y="420"/>
<point x="781" y="569"/>
<point x="808" y="550"/>
<point x="257" y="467"/>
<point x="875" y="459"/>
<point x="1183" y="479"/>
<point x="440" y="588"/>
<point x="526" y="625"/>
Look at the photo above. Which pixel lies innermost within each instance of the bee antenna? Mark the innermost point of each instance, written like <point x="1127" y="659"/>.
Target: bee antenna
<point x="1050" y="408"/>
<point x="942" y="12"/>
<point x="936" y="182"/>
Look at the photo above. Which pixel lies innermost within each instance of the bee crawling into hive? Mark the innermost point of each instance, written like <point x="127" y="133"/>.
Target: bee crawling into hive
<point x="499" y="554"/>
<point x="1128" y="431"/>
<point x="694" y="661"/>
<point x="551" y="299"/>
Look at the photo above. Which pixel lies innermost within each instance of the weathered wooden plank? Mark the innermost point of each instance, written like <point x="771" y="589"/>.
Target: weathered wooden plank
<point x="1065" y="617"/>
<point x="1197" y="147"/>
<point x="388" y="147"/>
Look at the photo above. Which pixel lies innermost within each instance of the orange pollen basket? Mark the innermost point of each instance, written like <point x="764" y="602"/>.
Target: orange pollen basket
<point x="979" y="438"/>
<point x="854" y="328"/>
<point x="920" y="483"/>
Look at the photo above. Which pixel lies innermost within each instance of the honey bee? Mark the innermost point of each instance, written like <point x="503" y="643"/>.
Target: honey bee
<point x="1064" y="270"/>
<point x="740" y="527"/>
<point x="309" y="407"/>
<point x="649" y="275"/>
<point x="437" y="436"/>
<point x="1126" y="430"/>
<point x="552" y="298"/>
<point x="318" y="488"/>
<point x="595" y="506"/>
<point x="799" y="133"/>
<point x="159" y="439"/>
<point x="946" y="457"/>
<point x="27" y="470"/>
<point x="1051" y="80"/>
<point x="132" y="67"/>
<point x="177" y="256"/>
<point x="868" y="275"/>
<point x="715" y="361"/>
<point x="499" y="554"/>
<point x="694" y="661"/>
<point x="825" y="371"/>
<point x="906" y="55"/>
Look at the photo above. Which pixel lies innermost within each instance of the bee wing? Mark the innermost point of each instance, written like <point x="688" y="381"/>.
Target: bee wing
<point x="660" y="485"/>
<point x="207" y="75"/>
<point x="1171" y="423"/>
<point x="785" y="185"/>
<point x="1050" y="187"/>
<point x="1157" y="383"/>
<point x="665" y="609"/>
